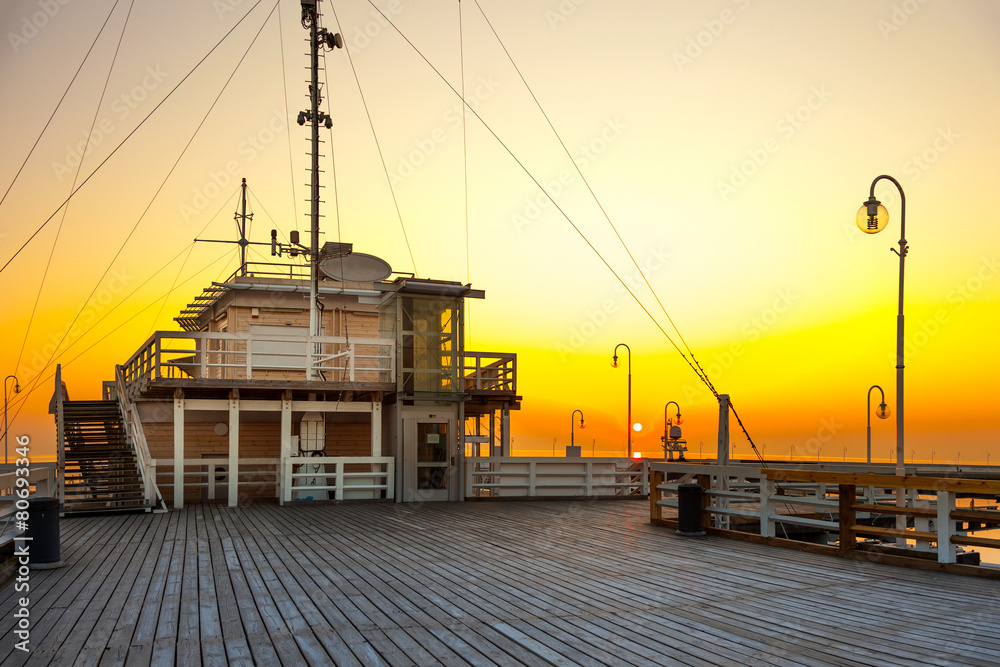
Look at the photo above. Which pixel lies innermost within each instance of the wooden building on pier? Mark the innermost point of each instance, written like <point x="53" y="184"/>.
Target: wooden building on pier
<point x="242" y="403"/>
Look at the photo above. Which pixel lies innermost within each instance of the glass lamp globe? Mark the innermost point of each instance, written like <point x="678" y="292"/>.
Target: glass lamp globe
<point x="872" y="225"/>
<point x="883" y="411"/>
<point x="614" y="361"/>
<point x="637" y="427"/>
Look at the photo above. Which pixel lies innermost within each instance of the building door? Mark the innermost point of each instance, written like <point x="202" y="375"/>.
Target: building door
<point x="429" y="461"/>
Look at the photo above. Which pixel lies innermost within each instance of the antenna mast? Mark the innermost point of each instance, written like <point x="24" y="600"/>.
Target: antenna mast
<point x="318" y="37"/>
<point x="241" y="223"/>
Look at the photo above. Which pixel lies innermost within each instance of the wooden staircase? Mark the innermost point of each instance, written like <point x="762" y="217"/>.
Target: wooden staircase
<point x="100" y="470"/>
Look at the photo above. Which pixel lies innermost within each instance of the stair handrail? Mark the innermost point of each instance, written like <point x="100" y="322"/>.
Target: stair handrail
<point x="137" y="436"/>
<point x="57" y="410"/>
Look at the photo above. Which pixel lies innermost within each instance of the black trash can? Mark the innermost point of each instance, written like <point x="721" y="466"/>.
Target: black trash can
<point x="689" y="509"/>
<point x="43" y="529"/>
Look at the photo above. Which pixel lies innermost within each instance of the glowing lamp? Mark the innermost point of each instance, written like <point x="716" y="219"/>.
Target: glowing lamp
<point x="614" y="361"/>
<point x="637" y="455"/>
<point x="883" y="411"/>
<point x="636" y="427"/>
<point x="872" y="217"/>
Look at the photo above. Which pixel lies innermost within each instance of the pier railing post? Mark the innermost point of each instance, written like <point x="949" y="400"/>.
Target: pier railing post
<point x="706" y="483"/>
<point x="655" y="511"/>
<point x="947" y="552"/>
<point x="848" y="538"/>
<point x="766" y="507"/>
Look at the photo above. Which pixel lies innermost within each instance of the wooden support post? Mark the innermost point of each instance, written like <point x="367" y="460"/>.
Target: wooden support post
<point x="947" y="552"/>
<point x="376" y="427"/>
<point x="706" y="500"/>
<point x="338" y="471"/>
<point x="531" y="479"/>
<point x="767" y="490"/>
<point x="722" y="453"/>
<point x="60" y="439"/>
<point x="504" y="430"/>
<point x="179" y="449"/>
<point x="284" y="488"/>
<point x="921" y="524"/>
<point x="655" y="494"/>
<point x="234" y="447"/>
<point x="848" y="518"/>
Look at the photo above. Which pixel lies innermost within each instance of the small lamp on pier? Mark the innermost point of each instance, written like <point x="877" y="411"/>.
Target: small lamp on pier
<point x="573" y="450"/>
<point x="883" y="412"/>
<point x="17" y="390"/>
<point x="614" y="364"/>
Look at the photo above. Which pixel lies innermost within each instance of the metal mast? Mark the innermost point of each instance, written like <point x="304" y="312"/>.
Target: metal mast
<point x="241" y="223"/>
<point x="318" y="37"/>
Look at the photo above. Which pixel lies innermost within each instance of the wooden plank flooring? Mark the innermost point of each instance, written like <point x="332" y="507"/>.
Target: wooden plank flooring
<point x="516" y="583"/>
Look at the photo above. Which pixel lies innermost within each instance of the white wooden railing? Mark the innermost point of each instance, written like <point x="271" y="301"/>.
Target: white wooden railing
<point x="253" y="472"/>
<point x="489" y="371"/>
<point x="137" y="438"/>
<point x="41" y="483"/>
<point x="774" y="497"/>
<point x="515" y="476"/>
<point x="328" y="478"/>
<point x="339" y="478"/>
<point x="204" y="355"/>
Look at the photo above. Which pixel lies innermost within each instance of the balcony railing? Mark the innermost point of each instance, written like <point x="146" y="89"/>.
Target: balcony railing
<point x="489" y="371"/>
<point x="244" y="356"/>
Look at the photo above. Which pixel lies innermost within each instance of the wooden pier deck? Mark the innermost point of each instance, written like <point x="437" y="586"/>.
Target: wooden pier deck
<point x="509" y="583"/>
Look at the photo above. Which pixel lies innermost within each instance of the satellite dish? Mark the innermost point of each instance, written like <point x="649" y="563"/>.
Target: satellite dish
<point x="355" y="268"/>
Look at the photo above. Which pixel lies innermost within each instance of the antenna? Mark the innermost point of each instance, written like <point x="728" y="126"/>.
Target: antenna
<point x="241" y="216"/>
<point x="318" y="37"/>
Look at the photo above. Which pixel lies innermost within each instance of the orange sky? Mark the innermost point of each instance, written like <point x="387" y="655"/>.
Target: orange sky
<point x="731" y="143"/>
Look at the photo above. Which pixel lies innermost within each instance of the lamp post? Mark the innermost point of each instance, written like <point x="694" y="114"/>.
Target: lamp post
<point x="17" y="390"/>
<point x="872" y="218"/>
<point x="883" y="412"/>
<point x="614" y="364"/>
<point x="668" y="424"/>
<point x="572" y="425"/>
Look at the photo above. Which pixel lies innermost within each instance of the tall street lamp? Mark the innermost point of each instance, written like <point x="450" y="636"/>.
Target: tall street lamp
<point x="883" y="412"/>
<point x="17" y="390"/>
<point x="572" y="425"/>
<point x="614" y="364"/>
<point x="872" y="218"/>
